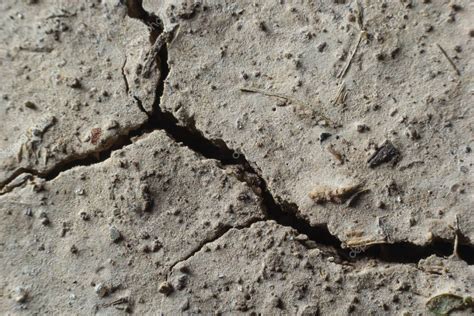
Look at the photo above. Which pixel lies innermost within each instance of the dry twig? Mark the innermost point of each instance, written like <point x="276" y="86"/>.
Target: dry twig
<point x="286" y="98"/>
<point x="341" y="94"/>
<point x="343" y="72"/>
<point x="449" y="59"/>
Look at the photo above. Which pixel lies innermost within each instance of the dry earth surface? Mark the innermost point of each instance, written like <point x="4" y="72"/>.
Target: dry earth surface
<point x="277" y="157"/>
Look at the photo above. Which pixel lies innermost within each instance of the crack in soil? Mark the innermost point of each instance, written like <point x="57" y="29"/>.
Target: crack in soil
<point x="283" y="212"/>
<point x="219" y="234"/>
<point x="135" y="10"/>
<point x="140" y="106"/>
<point x="127" y="88"/>
<point x="155" y="28"/>
<point x="86" y="159"/>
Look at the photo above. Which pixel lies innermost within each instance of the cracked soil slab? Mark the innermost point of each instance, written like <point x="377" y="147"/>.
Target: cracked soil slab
<point x="64" y="93"/>
<point x="165" y="157"/>
<point x="356" y="113"/>
<point x="122" y="224"/>
<point x="277" y="274"/>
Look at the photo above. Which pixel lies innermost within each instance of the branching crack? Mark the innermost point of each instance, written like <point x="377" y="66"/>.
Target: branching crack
<point x="221" y="231"/>
<point x="140" y="106"/>
<point x="283" y="212"/>
<point x="155" y="27"/>
<point x="286" y="213"/>
<point x="86" y="159"/>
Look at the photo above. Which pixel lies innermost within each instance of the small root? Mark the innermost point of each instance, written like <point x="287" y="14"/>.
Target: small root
<point x="451" y="62"/>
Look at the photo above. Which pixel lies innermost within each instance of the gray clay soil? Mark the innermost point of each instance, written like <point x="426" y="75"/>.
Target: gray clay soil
<point x="217" y="157"/>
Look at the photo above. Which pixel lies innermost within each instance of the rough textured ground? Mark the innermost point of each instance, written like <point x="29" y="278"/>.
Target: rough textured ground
<point x="250" y="157"/>
<point x="399" y="88"/>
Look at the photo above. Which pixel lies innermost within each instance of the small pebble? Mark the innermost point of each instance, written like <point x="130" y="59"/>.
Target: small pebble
<point x="262" y="26"/>
<point x="112" y="125"/>
<point x="276" y="302"/>
<point x="380" y="56"/>
<point x="30" y="105"/>
<point x="165" y="288"/>
<point x="361" y="128"/>
<point x="84" y="216"/>
<point x="29" y="212"/>
<point x="456" y="7"/>
<point x="21" y="295"/>
<point x="74" y="249"/>
<point x="75" y="83"/>
<point x="146" y="249"/>
<point x="412" y="133"/>
<point x="144" y="235"/>
<point x="301" y="237"/>
<point x="115" y="234"/>
<point x="394" y="53"/>
<point x="101" y="290"/>
<point x="322" y="46"/>
<point x="323" y="136"/>
<point x="44" y="218"/>
<point x="156" y="245"/>
<point x="185" y="305"/>
<point x="181" y="282"/>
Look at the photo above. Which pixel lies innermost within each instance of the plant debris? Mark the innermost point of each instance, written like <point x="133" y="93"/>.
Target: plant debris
<point x="336" y="154"/>
<point x="323" y="194"/>
<point x="444" y="304"/>
<point x="286" y="99"/>
<point x="451" y="62"/>
<point x="344" y="70"/>
<point x="354" y="198"/>
<point x="385" y="153"/>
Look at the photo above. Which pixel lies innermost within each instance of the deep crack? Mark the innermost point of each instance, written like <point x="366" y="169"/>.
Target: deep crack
<point x="155" y="28"/>
<point x="283" y="212"/>
<point x="135" y="10"/>
<point x="87" y="159"/>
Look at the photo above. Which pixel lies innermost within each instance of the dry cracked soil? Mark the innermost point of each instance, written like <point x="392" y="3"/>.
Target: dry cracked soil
<point x="217" y="157"/>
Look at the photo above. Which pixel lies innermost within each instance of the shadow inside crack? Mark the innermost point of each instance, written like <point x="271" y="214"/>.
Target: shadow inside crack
<point x="283" y="212"/>
<point x="403" y="252"/>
